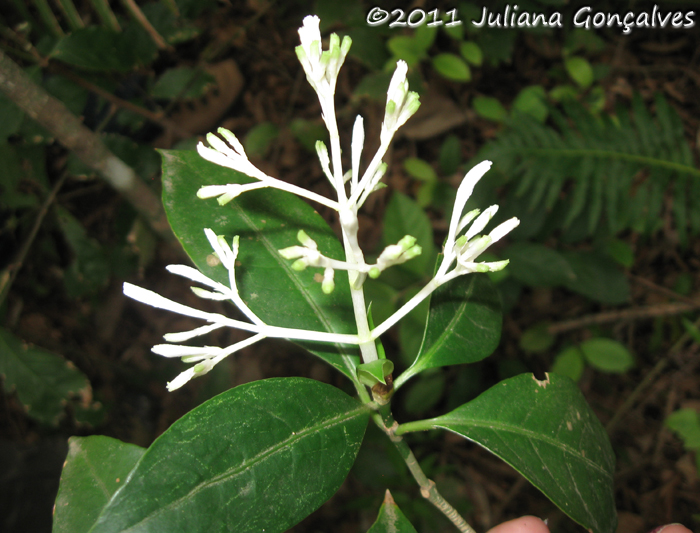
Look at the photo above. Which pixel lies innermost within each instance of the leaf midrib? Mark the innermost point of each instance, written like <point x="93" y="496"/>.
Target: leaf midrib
<point x="251" y="462"/>
<point x="516" y="430"/>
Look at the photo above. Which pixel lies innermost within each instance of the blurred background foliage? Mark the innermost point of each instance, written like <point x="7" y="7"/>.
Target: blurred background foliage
<point x="594" y="138"/>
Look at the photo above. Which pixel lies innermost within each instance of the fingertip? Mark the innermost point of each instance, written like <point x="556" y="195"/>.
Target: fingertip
<point x="527" y="524"/>
<point x="671" y="528"/>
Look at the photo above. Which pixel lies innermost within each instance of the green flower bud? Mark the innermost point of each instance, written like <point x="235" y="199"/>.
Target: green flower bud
<point x="374" y="272"/>
<point x="299" y="265"/>
<point x="407" y="242"/>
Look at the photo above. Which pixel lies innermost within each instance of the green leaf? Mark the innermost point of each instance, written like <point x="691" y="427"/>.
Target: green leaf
<point x="452" y="67"/>
<point x="538" y="266"/>
<point x="183" y="82"/>
<point x="419" y="169"/>
<point x="621" y="252"/>
<point x="691" y="329"/>
<point x="374" y="372"/>
<point x="548" y="433"/>
<point x="424" y="37"/>
<point x="580" y="71"/>
<point x="99" y="49"/>
<point x="471" y="52"/>
<point x="266" y="221"/>
<point x="12" y="117"/>
<point x="464" y="325"/>
<point x="569" y="363"/>
<point x="43" y="380"/>
<point x="686" y="423"/>
<point x="95" y="468"/>
<point x="403" y="216"/>
<point x="450" y="155"/>
<point x="531" y="100"/>
<point x="308" y="132"/>
<point x="536" y="339"/>
<point x="489" y="108"/>
<point x="89" y="271"/>
<point x="597" y="277"/>
<point x="258" y="140"/>
<point x="406" y="48"/>
<point x="259" y="457"/>
<point x="607" y="355"/>
<point x="391" y="519"/>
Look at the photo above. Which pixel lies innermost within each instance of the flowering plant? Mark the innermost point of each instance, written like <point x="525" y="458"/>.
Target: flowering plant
<point x="262" y="456"/>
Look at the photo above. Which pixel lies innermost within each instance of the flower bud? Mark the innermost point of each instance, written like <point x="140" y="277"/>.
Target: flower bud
<point x="327" y="285"/>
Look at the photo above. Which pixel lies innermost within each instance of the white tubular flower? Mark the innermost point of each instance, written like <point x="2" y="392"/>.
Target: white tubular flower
<point x="401" y="103"/>
<point x="467" y="248"/>
<point x="233" y="156"/>
<point x="395" y="254"/>
<point x="358" y="142"/>
<point x="321" y="67"/>
<point x="205" y="357"/>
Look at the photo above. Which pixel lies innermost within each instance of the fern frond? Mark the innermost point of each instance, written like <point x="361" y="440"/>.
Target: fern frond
<point x="620" y="166"/>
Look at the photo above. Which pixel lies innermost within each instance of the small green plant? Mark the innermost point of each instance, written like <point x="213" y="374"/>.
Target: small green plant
<point x="264" y="455"/>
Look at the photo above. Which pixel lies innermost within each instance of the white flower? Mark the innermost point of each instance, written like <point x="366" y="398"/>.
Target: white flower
<point x="467" y="248"/>
<point x="321" y="67"/>
<point x="401" y="103"/>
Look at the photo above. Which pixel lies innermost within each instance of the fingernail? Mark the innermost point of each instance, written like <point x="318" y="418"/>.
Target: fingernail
<point x="661" y="528"/>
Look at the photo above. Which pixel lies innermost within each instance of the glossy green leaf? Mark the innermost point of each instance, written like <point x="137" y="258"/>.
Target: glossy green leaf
<point x="607" y="355"/>
<point x="259" y="457"/>
<point x="94" y="469"/>
<point x="489" y="108"/>
<point x="266" y="221"/>
<point x="464" y="325"/>
<point x="43" y="380"/>
<point x="391" y="519"/>
<point x="597" y="277"/>
<point x="538" y="266"/>
<point x="452" y="67"/>
<point x="548" y="433"/>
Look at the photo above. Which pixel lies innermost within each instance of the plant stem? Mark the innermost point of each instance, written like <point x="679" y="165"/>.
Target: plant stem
<point x="72" y="133"/>
<point x="138" y="15"/>
<point x="427" y="486"/>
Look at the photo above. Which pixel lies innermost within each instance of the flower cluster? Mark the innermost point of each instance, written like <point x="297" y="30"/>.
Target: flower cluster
<point x="462" y="248"/>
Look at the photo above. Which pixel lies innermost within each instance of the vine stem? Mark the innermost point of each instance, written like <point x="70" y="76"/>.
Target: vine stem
<point x="428" y="489"/>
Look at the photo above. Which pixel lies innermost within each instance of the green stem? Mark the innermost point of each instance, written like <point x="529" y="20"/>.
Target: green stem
<point x="106" y="14"/>
<point x="427" y="486"/>
<point x="42" y="6"/>
<point x="71" y="14"/>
